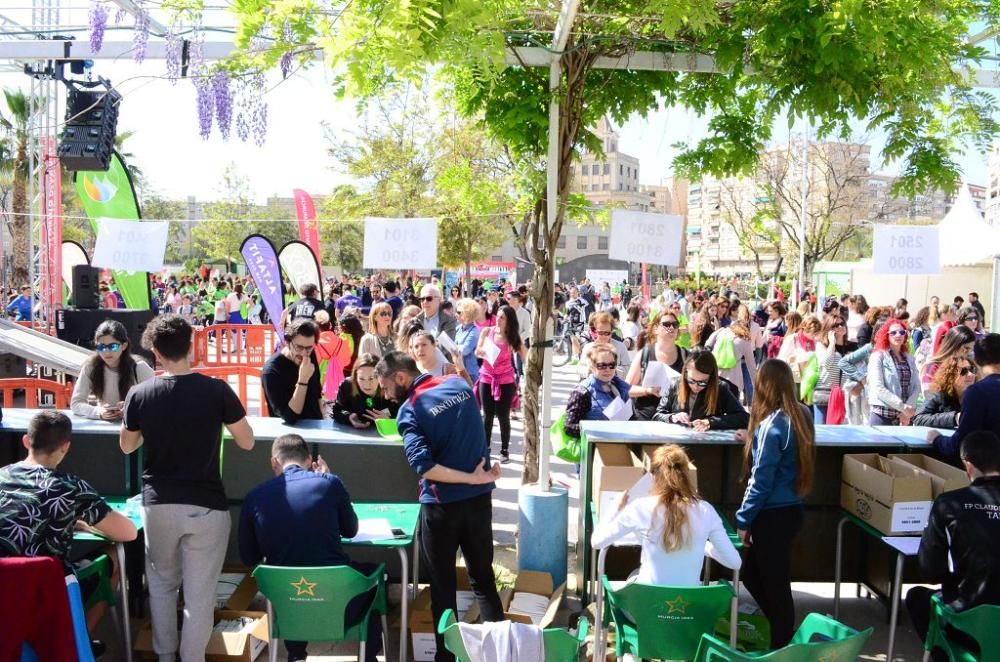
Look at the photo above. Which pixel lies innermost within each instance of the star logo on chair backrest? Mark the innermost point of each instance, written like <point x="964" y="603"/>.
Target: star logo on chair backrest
<point x="832" y="656"/>
<point x="303" y="587"/>
<point x="678" y="604"/>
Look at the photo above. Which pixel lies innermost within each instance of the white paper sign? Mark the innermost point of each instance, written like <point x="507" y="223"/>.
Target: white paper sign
<point x="905" y="545"/>
<point x="130" y="245"/>
<point x="376" y="528"/>
<point x="910" y="516"/>
<point x="613" y="277"/>
<point x="619" y="410"/>
<point x="658" y="375"/>
<point x="643" y="237"/>
<point x="490" y="349"/>
<point x="400" y="243"/>
<point x="446" y="343"/>
<point x="906" y="249"/>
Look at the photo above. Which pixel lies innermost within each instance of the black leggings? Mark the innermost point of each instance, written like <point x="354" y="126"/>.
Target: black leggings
<point x="767" y="568"/>
<point x="499" y="408"/>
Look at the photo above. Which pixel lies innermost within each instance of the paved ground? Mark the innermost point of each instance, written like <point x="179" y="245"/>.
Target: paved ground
<point x="860" y="613"/>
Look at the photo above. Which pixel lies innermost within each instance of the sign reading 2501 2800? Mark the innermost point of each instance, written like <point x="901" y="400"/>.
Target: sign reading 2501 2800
<point x="906" y="249"/>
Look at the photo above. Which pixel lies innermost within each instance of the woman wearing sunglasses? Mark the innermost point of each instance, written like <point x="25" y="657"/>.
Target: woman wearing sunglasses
<point x="592" y="396"/>
<point x="658" y="344"/>
<point x="893" y="382"/>
<point x="969" y="316"/>
<point x="106" y="377"/>
<point x="943" y="405"/>
<point x="700" y="399"/>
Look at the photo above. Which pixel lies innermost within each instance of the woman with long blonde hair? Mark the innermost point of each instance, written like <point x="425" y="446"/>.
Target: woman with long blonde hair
<point x="672" y="523"/>
<point x="779" y="457"/>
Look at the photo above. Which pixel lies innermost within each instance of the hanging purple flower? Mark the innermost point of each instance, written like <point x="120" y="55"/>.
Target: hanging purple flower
<point x="243" y="111"/>
<point x="98" y="21"/>
<point x="119" y="15"/>
<point x="251" y="108"/>
<point x="206" y="105"/>
<point x="223" y="98"/>
<point x="286" y="57"/>
<point x="173" y="53"/>
<point x="141" y="35"/>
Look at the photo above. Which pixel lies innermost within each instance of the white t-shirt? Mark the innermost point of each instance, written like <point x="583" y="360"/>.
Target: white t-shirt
<point x="644" y="517"/>
<point x="523" y="323"/>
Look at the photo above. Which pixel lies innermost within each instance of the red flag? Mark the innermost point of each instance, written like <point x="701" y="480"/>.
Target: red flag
<point x="645" y="282"/>
<point x="52" y="217"/>
<point x="308" y="226"/>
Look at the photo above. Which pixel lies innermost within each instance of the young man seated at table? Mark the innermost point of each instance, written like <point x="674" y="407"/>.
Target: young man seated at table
<point x="41" y="508"/>
<point x="979" y="402"/>
<point x="959" y="545"/>
<point x="297" y="520"/>
<point x="290" y="377"/>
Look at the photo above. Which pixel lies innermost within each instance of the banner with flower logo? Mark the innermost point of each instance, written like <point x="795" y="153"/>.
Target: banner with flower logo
<point x="111" y="195"/>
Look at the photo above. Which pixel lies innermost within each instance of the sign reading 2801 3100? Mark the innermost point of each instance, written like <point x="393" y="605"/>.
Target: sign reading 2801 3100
<point x="643" y="237"/>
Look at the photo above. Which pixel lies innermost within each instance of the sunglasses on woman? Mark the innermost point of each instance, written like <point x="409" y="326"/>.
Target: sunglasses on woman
<point x="697" y="382"/>
<point x="112" y="347"/>
<point x="669" y="325"/>
<point x="898" y="332"/>
<point x="605" y="366"/>
<point x="965" y="371"/>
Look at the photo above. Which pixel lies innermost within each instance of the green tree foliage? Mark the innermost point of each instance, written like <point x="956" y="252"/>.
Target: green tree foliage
<point x="896" y="65"/>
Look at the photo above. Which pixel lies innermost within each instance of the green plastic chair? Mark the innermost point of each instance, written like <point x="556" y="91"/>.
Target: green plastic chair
<point x="101" y="568"/>
<point x="664" y="622"/>
<point x="308" y="604"/>
<point x="834" y="641"/>
<point x="980" y="623"/>
<point x="560" y="645"/>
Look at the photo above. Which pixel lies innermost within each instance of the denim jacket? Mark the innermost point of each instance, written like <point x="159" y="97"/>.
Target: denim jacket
<point x="884" y="388"/>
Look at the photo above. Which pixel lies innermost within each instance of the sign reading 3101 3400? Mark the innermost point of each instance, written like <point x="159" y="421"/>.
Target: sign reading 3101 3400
<point x="906" y="249"/>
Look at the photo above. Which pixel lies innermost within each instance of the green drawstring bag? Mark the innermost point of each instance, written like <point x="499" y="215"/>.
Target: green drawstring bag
<point x="810" y="377"/>
<point x="725" y="351"/>
<point x="564" y="446"/>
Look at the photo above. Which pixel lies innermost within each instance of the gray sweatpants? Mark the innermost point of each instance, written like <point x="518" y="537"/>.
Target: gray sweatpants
<point x="185" y="546"/>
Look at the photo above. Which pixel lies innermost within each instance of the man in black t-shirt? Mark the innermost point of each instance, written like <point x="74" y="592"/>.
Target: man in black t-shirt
<point x="178" y="418"/>
<point x="290" y="378"/>
<point x="306" y="307"/>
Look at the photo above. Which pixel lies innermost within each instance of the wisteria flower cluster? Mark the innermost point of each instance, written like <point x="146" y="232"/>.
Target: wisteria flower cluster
<point x="140" y="37"/>
<point x="251" y="109"/>
<point x="206" y="105"/>
<point x="286" y="57"/>
<point x="223" y="96"/>
<point x="173" y="47"/>
<point x="98" y="22"/>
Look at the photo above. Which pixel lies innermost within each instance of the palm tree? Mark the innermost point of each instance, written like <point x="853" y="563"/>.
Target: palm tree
<point x="15" y="125"/>
<point x="134" y="171"/>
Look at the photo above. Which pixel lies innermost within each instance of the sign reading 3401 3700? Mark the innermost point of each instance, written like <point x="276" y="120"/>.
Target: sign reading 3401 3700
<point x="906" y="250"/>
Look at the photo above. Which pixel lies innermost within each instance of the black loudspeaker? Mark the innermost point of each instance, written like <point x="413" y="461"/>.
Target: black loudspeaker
<point x="85" y="287"/>
<point x="78" y="326"/>
<point x="88" y="137"/>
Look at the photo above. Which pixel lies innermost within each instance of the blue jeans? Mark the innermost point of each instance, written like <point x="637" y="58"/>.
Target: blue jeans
<point x="819" y="414"/>
<point x="747" y="383"/>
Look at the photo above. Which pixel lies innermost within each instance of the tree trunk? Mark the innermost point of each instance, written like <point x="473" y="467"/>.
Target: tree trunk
<point x="22" y="230"/>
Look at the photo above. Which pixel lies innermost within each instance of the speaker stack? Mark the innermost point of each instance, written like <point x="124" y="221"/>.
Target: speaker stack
<point x="86" y="286"/>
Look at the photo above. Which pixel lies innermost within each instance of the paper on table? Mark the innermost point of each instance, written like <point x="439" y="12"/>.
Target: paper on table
<point x="446" y="343"/>
<point x="618" y="410"/>
<point x="905" y="545"/>
<point x="490" y="349"/>
<point x="376" y="528"/>
<point x="658" y="375"/>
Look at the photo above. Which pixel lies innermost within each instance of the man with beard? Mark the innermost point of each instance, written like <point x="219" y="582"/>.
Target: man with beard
<point x="291" y="380"/>
<point x="445" y="443"/>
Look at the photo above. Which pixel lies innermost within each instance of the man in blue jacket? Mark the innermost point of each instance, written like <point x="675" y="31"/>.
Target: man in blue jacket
<point x="445" y="443"/>
<point x="979" y="403"/>
<point x="20" y="306"/>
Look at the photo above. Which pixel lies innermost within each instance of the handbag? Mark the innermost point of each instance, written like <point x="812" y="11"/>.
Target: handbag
<point x="564" y="446"/>
<point x="836" y="408"/>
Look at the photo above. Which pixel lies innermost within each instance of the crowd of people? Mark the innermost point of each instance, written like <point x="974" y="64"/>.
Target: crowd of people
<point x="447" y="369"/>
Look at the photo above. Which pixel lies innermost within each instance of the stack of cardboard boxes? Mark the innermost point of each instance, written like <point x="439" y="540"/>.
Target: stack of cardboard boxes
<point x="894" y="494"/>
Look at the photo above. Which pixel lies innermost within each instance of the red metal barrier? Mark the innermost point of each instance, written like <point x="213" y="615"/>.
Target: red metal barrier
<point x="61" y="393"/>
<point x="242" y="373"/>
<point x="233" y="345"/>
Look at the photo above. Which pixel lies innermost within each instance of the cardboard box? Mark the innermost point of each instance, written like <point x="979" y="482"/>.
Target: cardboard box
<point x="240" y="597"/>
<point x="890" y="496"/>
<point x="944" y="477"/>
<point x="243" y="646"/>
<point x="529" y="581"/>
<point x="616" y="469"/>
<point x="647" y="463"/>
<point x="421" y="620"/>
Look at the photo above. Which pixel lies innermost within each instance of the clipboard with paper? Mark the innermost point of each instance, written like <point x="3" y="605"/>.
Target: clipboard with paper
<point x="658" y="375"/>
<point x="491" y="351"/>
<point x="618" y="410"/>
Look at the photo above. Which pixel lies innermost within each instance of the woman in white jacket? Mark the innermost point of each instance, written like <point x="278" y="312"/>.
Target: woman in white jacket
<point x="673" y="525"/>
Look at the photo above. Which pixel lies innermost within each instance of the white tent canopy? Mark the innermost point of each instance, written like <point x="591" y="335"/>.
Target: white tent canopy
<point x="966" y="238"/>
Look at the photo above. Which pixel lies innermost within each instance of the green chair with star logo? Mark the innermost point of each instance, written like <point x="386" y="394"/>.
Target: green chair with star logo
<point x="819" y="639"/>
<point x="560" y="645"/>
<point x="664" y="622"/>
<point x="309" y="604"/>
<point x="978" y="623"/>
